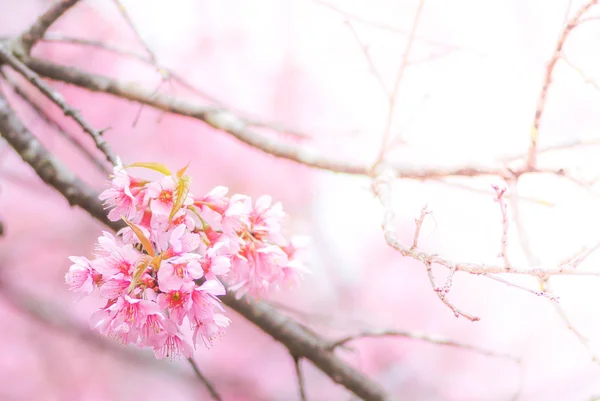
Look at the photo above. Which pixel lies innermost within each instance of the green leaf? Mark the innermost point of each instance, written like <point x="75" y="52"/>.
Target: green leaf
<point x="161" y="168"/>
<point x="138" y="232"/>
<point x="182" y="189"/>
<point x="181" y="172"/>
<point x="139" y="270"/>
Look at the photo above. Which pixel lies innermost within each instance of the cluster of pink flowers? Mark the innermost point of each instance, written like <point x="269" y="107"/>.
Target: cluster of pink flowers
<point x="165" y="267"/>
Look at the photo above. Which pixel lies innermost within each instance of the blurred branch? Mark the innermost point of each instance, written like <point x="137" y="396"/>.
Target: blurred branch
<point x="394" y="93"/>
<point x="382" y="26"/>
<point x="27" y="39"/>
<point x="52" y="318"/>
<point x="55" y="97"/>
<point x="51" y="170"/>
<point x="382" y="189"/>
<point x="293" y="336"/>
<point x="504" y="213"/>
<point x="541" y="103"/>
<point x="54" y="124"/>
<point x="586" y="78"/>
<point x="300" y="376"/>
<point x="226" y="121"/>
<point x="129" y="21"/>
<point x="209" y="386"/>
<point x="173" y="75"/>
<point x="303" y="343"/>
<point x="420" y="337"/>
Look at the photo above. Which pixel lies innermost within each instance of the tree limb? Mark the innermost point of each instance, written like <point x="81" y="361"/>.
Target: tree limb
<point x="28" y="38"/>
<point x="223" y="120"/>
<point x="283" y="329"/>
<point x="51" y="170"/>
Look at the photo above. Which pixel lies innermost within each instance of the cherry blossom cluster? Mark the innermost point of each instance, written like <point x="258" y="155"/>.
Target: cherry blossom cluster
<point x="165" y="268"/>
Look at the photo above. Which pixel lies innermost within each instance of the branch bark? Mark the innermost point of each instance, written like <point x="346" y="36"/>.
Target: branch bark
<point x="28" y="38"/>
<point x="51" y="170"/>
<point x="223" y="120"/>
<point x="283" y="329"/>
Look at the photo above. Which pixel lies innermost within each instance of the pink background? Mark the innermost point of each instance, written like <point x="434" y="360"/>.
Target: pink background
<point x="468" y="97"/>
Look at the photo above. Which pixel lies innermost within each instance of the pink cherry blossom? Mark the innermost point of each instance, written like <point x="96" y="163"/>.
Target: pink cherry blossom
<point x="124" y="199"/>
<point x="178" y="271"/>
<point x="216" y="261"/>
<point x="182" y="241"/>
<point x="168" y="268"/>
<point x="178" y="302"/>
<point x="204" y="314"/>
<point x="265" y="220"/>
<point x="173" y="345"/>
<point x="81" y="276"/>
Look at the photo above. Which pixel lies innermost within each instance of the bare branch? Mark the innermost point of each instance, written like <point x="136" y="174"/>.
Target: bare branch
<point x="47" y="167"/>
<point x="441" y="292"/>
<point x="544" y="294"/>
<point x="382" y="189"/>
<point x="292" y="335"/>
<point x="28" y="38"/>
<point x="51" y="317"/>
<point x="586" y="78"/>
<point x="175" y="77"/>
<point x="365" y="50"/>
<point x="133" y="28"/>
<point x="307" y="345"/>
<point x="384" y="27"/>
<point x="504" y="213"/>
<point x="420" y="337"/>
<point x="300" y="376"/>
<point x="399" y="76"/>
<point x="226" y="121"/>
<point x="418" y="224"/>
<point x="209" y="386"/>
<point x="54" y="124"/>
<point x="59" y="101"/>
<point x="541" y="103"/>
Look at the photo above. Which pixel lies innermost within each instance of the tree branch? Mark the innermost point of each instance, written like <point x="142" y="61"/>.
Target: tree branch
<point x="283" y="329"/>
<point x="541" y="103"/>
<point x="52" y="123"/>
<point x="48" y="168"/>
<point x="28" y="38"/>
<point x="223" y="120"/>
<point x="56" y="98"/>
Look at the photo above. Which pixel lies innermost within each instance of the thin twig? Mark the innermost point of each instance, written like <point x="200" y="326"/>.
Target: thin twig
<point x="129" y="21"/>
<point x="54" y="124"/>
<point x="175" y="77"/>
<point x="373" y="68"/>
<point x="442" y="293"/>
<point x="55" y="97"/>
<point x="51" y="170"/>
<point x="541" y="103"/>
<point x="581" y="256"/>
<point x="544" y="294"/>
<point x="586" y="78"/>
<point x="504" y="214"/>
<point x="419" y="336"/>
<point x="580" y="337"/>
<point x="399" y="76"/>
<point x="27" y="39"/>
<point x="300" y="376"/>
<point x="384" y="27"/>
<point x="211" y="389"/>
<point x="418" y="224"/>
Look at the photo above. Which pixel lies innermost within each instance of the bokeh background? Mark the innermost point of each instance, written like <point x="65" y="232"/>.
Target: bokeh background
<point x="468" y="97"/>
